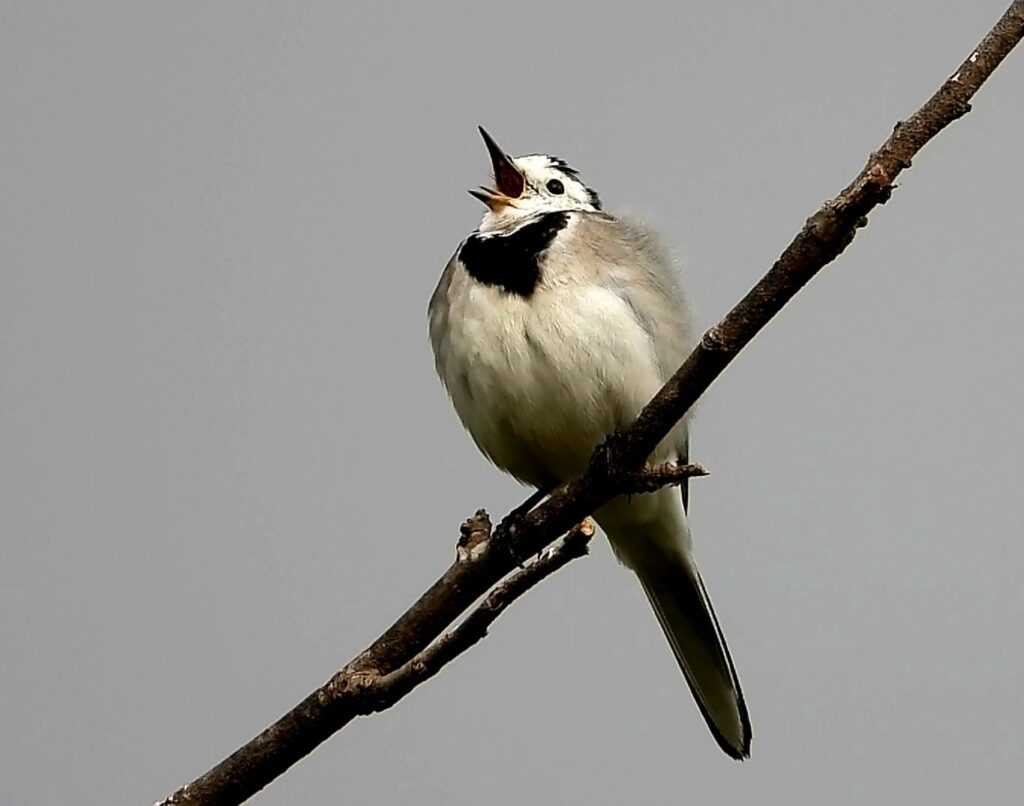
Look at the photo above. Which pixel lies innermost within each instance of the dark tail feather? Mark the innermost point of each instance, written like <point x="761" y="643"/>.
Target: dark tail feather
<point x="677" y="594"/>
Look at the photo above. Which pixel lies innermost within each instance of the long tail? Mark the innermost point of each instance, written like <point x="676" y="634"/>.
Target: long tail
<point x="677" y="594"/>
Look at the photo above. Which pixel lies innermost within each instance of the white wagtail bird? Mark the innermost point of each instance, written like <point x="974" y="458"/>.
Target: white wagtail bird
<point x="552" y="325"/>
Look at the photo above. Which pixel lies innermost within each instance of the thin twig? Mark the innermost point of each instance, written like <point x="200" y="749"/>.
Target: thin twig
<point x="826" y="234"/>
<point x="384" y="691"/>
<point x="649" y="478"/>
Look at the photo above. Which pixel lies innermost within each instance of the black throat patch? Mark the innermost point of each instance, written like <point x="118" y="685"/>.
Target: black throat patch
<point x="512" y="262"/>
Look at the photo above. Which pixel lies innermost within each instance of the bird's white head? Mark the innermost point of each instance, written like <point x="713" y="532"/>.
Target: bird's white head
<point x="525" y="187"/>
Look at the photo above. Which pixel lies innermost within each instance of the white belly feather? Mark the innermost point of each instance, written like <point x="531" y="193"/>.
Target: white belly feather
<point x="540" y="382"/>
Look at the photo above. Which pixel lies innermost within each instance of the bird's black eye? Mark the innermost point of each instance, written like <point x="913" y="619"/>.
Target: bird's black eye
<point x="556" y="187"/>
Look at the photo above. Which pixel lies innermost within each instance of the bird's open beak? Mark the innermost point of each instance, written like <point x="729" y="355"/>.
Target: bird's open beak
<point x="508" y="180"/>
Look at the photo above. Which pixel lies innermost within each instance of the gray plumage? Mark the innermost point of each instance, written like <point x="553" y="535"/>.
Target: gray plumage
<point x="540" y="378"/>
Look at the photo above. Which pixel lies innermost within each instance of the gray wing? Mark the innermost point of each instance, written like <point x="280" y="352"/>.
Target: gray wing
<point x="630" y="259"/>
<point x="438" y="310"/>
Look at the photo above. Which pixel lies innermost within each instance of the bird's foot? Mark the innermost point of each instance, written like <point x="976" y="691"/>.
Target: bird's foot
<point x="504" y="534"/>
<point x="606" y="460"/>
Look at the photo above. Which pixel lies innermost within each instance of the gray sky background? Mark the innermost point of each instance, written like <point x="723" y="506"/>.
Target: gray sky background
<point x="227" y="464"/>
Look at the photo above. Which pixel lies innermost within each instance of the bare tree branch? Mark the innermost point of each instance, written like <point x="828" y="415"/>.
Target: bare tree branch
<point x="400" y="658"/>
<point x="384" y="691"/>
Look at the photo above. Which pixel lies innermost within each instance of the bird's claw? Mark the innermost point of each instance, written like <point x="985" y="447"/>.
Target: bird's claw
<point x="504" y="536"/>
<point x="606" y="458"/>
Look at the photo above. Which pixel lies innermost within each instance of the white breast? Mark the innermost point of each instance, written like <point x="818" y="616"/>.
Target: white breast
<point x="540" y="382"/>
